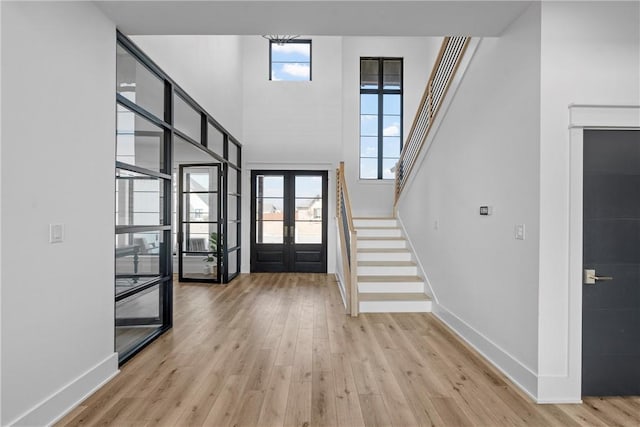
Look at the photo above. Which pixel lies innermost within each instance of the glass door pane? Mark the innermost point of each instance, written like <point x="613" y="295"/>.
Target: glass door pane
<point x="199" y="248"/>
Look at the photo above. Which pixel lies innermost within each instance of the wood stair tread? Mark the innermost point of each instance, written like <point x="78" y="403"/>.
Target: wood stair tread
<point x="386" y="264"/>
<point x="385" y="279"/>
<point x="375" y="217"/>
<point x="382" y="238"/>
<point x="383" y="250"/>
<point x="392" y="297"/>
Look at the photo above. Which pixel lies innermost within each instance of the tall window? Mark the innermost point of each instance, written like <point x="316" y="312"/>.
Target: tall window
<point x="290" y="61"/>
<point x="380" y="116"/>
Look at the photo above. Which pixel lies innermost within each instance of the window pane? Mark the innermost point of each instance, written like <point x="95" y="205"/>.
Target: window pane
<point x="392" y="74"/>
<point x="391" y="125"/>
<point x="187" y="120"/>
<point x="232" y="185"/>
<point x="233" y="262"/>
<point x="139" y="85"/>
<point x="233" y="153"/>
<point x="291" y="71"/>
<point x="233" y="207"/>
<point x="200" y="178"/>
<point x="269" y="231"/>
<point x="308" y="232"/>
<point x="200" y="207"/>
<point x="369" y="168"/>
<point x="137" y="317"/>
<point x="215" y="140"/>
<point x="368" y="146"/>
<point x="269" y="185"/>
<point x="368" y="125"/>
<point x="232" y="235"/>
<point x="309" y="209"/>
<point x="391" y="104"/>
<point x="387" y="164"/>
<point x="269" y="208"/>
<point x="138" y="141"/>
<point x="391" y="147"/>
<point x="369" y="104"/>
<point x="137" y="257"/>
<point x="139" y="199"/>
<point x="197" y="237"/>
<point x="308" y="186"/>
<point x="291" y="52"/>
<point x="369" y="74"/>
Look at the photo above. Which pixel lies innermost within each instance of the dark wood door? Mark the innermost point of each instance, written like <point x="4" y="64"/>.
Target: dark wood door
<point x="289" y="221"/>
<point x="611" y="254"/>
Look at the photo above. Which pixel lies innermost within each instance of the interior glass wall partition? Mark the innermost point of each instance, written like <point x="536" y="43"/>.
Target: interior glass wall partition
<point x="143" y="270"/>
<point x="159" y="129"/>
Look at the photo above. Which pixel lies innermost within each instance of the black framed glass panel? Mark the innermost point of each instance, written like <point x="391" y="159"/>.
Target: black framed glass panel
<point x="138" y="141"/>
<point x="138" y="84"/>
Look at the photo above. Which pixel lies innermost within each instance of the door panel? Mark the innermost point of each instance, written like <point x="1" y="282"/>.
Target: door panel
<point x="611" y="235"/>
<point x="289" y="221"/>
<point x="199" y="210"/>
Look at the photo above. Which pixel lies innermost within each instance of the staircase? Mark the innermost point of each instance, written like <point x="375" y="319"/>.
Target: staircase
<point x="388" y="280"/>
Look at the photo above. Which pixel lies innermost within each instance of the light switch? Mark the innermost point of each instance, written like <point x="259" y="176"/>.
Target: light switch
<point x="436" y="224"/>
<point x="519" y="232"/>
<point x="56" y="233"/>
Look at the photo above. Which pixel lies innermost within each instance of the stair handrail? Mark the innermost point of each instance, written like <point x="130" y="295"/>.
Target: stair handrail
<point x="348" y="242"/>
<point x="447" y="62"/>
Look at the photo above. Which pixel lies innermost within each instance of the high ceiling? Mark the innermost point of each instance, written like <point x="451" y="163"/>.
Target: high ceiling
<point x="312" y="17"/>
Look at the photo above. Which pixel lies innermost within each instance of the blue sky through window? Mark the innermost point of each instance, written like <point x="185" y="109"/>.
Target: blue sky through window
<point x="291" y="61"/>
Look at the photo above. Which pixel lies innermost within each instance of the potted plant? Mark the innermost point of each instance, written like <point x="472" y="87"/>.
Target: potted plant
<point x="211" y="260"/>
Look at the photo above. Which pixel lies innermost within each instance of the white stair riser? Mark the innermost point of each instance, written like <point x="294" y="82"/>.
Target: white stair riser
<point x="375" y="223"/>
<point x="384" y="256"/>
<point x="382" y="244"/>
<point x="379" y="232"/>
<point x="395" y="306"/>
<point x="391" y="287"/>
<point x="379" y="270"/>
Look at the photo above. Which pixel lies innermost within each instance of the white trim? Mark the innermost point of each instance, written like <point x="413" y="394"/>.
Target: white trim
<point x="519" y="374"/>
<point x="421" y="270"/>
<point x="446" y="103"/>
<point x="568" y="388"/>
<point x="594" y="116"/>
<point x="60" y="403"/>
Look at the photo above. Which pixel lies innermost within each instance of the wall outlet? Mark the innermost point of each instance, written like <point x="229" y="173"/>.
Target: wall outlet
<point x="56" y="233"/>
<point x="519" y="233"/>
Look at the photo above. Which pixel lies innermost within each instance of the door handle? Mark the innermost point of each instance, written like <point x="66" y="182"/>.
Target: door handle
<point x="292" y="232"/>
<point x="286" y="229"/>
<point x="590" y="277"/>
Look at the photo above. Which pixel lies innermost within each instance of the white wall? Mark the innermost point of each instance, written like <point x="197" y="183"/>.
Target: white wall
<point x="590" y="55"/>
<point x="292" y="125"/>
<point x="486" y="153"/>
<point x="58" y="75"/>
<point x="208" y="68"/>
<point x="419" y="54"/>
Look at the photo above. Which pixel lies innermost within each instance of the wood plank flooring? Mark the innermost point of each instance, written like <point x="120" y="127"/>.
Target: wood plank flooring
<point x="277" y="350"/>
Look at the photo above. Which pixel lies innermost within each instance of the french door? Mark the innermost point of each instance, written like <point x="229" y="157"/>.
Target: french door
<point x="289" y="221"/>
<point x="199" y="233"/>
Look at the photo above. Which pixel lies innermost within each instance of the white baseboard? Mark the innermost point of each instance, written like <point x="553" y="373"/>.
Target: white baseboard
<point x="71" y="395"/>
<point x="519" y="374"/>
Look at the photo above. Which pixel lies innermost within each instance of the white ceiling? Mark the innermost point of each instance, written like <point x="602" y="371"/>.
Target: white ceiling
<point x="311" y="17"/>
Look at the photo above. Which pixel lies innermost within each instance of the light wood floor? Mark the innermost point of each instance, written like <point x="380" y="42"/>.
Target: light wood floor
<point x="277" y="349"/>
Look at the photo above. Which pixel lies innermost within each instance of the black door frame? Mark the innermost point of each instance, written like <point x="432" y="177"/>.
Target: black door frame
<point x="289" y="214"/>
<point x="181" y="221"/>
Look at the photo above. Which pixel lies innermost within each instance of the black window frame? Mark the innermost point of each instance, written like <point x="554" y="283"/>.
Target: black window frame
<point x="294" y="41"/>
<point x="380" y="91"/>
